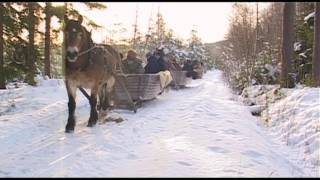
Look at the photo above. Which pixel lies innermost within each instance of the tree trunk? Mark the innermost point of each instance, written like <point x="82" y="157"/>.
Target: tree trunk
<point x="47" y="40"/>
<point x="2" y="79"/>
<point x="316" y="47"/>
<point x="257" y="47"/>
<point x="287" y="80"/>
<point x="31" y="50"/>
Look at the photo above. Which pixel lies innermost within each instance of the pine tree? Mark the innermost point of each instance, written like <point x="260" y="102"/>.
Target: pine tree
<point x="2" y="78"/>
<point x="304" y="44"/>
<point x="316" y="47"/>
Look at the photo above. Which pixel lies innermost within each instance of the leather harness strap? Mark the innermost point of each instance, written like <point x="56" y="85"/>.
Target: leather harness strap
<point x="89" y="61"/>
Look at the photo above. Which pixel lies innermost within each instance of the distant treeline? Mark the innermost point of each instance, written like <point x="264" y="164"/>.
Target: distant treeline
<point x="261" y="48"/>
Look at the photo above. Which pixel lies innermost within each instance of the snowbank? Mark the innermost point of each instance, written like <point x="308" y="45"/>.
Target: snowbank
<point x="296" y="121"/>
<point x="261" y="94"/>
<point x="293" y="117"/>
<point x="21" y="100"/>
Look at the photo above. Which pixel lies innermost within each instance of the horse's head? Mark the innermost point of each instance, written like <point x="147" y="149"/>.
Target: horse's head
<point x="76" y="37"/>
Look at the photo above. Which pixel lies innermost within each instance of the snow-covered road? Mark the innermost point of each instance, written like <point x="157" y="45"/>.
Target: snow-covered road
<point x="195" y="132"/>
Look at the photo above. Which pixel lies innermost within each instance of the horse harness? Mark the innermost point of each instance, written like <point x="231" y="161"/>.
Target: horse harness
<point x="89" y="61"/>
<point x="90" y="51"/>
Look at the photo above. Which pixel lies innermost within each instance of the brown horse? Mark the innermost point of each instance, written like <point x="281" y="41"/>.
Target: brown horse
<point x="87" y="66"/>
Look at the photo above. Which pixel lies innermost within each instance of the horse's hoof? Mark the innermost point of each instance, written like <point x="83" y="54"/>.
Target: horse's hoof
<point x="91" y="124"/>
<point x="69" y="130"/>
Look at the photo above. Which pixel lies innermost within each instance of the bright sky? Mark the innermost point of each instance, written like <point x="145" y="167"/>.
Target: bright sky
<point x="210" y="19"/>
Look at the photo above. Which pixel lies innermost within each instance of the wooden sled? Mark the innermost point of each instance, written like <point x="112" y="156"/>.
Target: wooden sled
<point x="179" y="79"/>
<point x="131" y="90"/>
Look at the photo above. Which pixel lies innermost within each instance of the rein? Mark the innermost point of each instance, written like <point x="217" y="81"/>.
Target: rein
<point x="89" y="61"/>
<point x="88" y="50"/>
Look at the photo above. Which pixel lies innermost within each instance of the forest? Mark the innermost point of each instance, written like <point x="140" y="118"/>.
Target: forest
<point x="246" y="105"/>
<point x="31" y="46"/>
<point x="276" y="45"/>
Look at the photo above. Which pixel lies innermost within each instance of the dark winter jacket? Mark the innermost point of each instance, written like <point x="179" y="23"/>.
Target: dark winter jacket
<point x="133" y="66"/>
<point x="155" y="65"/>
<point x="187" y="66"/>
<point x="190" y="68"/>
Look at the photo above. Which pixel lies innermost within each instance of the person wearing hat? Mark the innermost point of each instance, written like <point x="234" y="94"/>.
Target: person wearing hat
<point x="187" y="66"/>
<point x="132" y="64"/>
<point x="156" y="63"/>
<point x="148" y="55"/>
<point x="173" y="64"/>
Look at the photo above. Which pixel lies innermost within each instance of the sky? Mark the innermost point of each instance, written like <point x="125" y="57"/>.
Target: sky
<point x="210" y="19"/>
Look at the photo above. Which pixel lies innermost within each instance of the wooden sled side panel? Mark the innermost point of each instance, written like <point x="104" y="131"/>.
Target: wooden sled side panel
<point x="179" y="78"/>
<point x="141" y="87"/>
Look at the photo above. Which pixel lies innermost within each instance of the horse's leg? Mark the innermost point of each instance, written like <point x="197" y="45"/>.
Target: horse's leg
<point x="93" y="103"/>
<point x="71" y="90"/>
<point x="103" y="98"/>
<point x="110" y="99"/>
<point x="110" y="91"/>
<point x="102" y="102"/>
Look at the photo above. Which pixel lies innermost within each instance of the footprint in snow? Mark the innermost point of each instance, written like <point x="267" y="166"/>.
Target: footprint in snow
<point x="217" y="149"/>
<point x="212" y="131"/>
<point x="132" y="156"/>
<point x="179" y="150"/>
<point x="229" y="121"/>
<point x="4" y="172"/>
<point x="24" y="171"/>
<point x="253" y="154"/>
<point x="184" y="163"/>
<point x="231" y="131"/>
<point x="212" y="114"/>
<point x="233" y="171"/>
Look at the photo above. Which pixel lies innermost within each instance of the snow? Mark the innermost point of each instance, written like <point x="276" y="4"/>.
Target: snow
<point x="260" y="94"/>
<point x="303" y="55"/>
<point x="311" y="15"/>
<point x="200" y="131"/>
<point x="293" y="119"/>
<point x="271" y="71"/>
<point x="297" y="46"/>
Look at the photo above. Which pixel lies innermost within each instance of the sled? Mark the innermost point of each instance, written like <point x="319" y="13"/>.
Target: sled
<point x="180" y="79"/>
<point x="131" y="90"/>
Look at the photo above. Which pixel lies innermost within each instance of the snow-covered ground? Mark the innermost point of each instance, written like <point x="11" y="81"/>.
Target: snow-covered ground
<point x="292" y="117"/>
<point x="199" y="131"/>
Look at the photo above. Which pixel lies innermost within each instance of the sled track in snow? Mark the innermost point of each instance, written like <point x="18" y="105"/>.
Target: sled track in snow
<point x="41" y="142"/>
<point x="197" y="131"/>
<point x="47" y="131"/>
